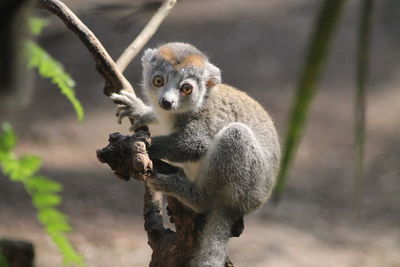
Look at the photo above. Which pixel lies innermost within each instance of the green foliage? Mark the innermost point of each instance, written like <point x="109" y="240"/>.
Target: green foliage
<point x="36" y="25"/>
<point x="43" y="192"/>
<point x="8" y="140"/>
<point x="360" y="97"/>
<point x="3" y="261"/>
<point x="318" y="48"/>
<point x="321" y="39"/>
<point x="50" y="68"/>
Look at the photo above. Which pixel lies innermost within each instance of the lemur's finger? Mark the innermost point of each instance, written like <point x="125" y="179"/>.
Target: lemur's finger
<point x="125" y="113"/>
<point x="119" y="120"/>
<point x="120" y="99"/>
<point x="122" y="108"/>
<point x="128" y="94"/>
<point x="115" y="96"/>
<point x="124" y="96"/>
<point x="122" y="115"/>
<point x="117" y="111"/>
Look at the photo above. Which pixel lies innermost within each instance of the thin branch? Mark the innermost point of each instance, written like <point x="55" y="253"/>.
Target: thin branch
<point x="115" y="81"/>
<point x="104" y="63"/>
<point x="144" y="36"/>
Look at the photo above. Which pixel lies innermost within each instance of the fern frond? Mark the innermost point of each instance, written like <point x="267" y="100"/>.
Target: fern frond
<point x="50" y="68"/>
<point x="42" y="190"/>
<point x="36" y="25"/>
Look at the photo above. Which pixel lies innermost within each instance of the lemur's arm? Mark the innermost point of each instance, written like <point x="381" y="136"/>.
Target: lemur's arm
<point x="179" y="146"/>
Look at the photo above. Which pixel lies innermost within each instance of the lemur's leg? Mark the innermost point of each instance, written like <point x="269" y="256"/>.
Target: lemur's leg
<point x="233" y="181"/>
<point x="177" y="185"/>
<point x="236" y="171"/>
<point x="234" y="174"/>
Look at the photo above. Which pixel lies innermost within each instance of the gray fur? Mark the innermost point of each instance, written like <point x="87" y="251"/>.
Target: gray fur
<point x="228" y="134"/>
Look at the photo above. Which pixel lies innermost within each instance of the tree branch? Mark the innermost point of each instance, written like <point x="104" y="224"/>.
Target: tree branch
<point x="170" y="248"/>
<point x="144" y="36"/>
<point x="105" y="65"/>
<point x="115" y="81"/>
<point x="127" y="155"/>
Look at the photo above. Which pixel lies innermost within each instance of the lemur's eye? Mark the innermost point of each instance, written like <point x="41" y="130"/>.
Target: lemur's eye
<point x="158" y="81"/>
<point x="186" y="88"/>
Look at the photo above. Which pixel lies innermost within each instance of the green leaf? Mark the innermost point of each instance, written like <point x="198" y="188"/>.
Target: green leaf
<point x="70" y="256"/>
<point x="58" y="227"/>
<point x="320" y="41"/>
<point x="42" y="191"/>
<point x="42" y="184"/>
<point x="8" y="139"/>
<point x="30" y="163"/>
<point x="360" y="96"/>
<point x="46" y="200"/>
<point x="12" y="169"/>
<point x="36" y="25"/>
<point x="3" y="156"/>
<point x="21" y="169"/>
<point x="50" y="68"/>
<point x="48" y="216"/>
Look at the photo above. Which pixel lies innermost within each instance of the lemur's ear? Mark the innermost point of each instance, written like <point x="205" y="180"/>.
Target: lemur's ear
<point x="149" y="56"/>
<point x="212" y="75"/>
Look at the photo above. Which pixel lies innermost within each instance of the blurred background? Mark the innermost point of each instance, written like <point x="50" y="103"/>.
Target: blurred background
<point x="260" y="47"/>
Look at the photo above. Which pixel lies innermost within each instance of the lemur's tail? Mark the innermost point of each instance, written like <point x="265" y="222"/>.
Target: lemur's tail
<point x="212" y="251"/>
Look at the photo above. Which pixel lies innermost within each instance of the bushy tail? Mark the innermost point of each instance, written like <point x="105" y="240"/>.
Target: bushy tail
<point x="212" y="251"/>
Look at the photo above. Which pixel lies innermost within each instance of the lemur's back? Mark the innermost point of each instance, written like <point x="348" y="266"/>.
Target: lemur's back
<point x="229" y="104"/>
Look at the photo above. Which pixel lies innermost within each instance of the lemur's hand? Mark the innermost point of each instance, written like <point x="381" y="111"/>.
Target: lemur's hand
<point x="129" y="105"/>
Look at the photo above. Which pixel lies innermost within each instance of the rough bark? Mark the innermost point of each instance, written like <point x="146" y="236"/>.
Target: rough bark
<point x="170" y="248"/>
<point x="127" y="155"/>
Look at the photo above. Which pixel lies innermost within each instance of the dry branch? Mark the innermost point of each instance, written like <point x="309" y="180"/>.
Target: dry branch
<point x="170" y="249"/>
<point x="115" y="81"/>
<point x="127" y="155"/>
<point x="144" y="36"/>
<point x="104" y="63"/>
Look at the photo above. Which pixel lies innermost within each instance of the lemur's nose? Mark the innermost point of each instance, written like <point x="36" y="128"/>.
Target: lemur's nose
<point x="166" y="104"/>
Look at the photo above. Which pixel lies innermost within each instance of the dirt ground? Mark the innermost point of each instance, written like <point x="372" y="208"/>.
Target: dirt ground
<point x="259" y="46"/>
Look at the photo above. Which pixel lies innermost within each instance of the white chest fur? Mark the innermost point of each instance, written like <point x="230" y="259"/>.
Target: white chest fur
<point x="165" y="123"/>
<point x="165" y="127"/>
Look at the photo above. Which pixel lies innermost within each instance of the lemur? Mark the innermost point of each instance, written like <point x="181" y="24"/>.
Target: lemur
<point x="225" y="141"/>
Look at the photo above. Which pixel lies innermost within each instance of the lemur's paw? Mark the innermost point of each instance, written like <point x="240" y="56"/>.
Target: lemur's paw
<point x="128" y="105"/>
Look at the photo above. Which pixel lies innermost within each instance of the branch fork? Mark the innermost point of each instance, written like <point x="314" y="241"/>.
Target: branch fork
<point x="127" y="155"/>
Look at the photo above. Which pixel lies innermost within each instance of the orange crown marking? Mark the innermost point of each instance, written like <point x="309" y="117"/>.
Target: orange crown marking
<point x="191" y="60"/>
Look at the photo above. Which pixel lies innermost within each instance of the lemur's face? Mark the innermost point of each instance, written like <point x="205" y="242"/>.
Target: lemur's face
<point x="176" y="90"/>
<point x="176" y="77"/>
